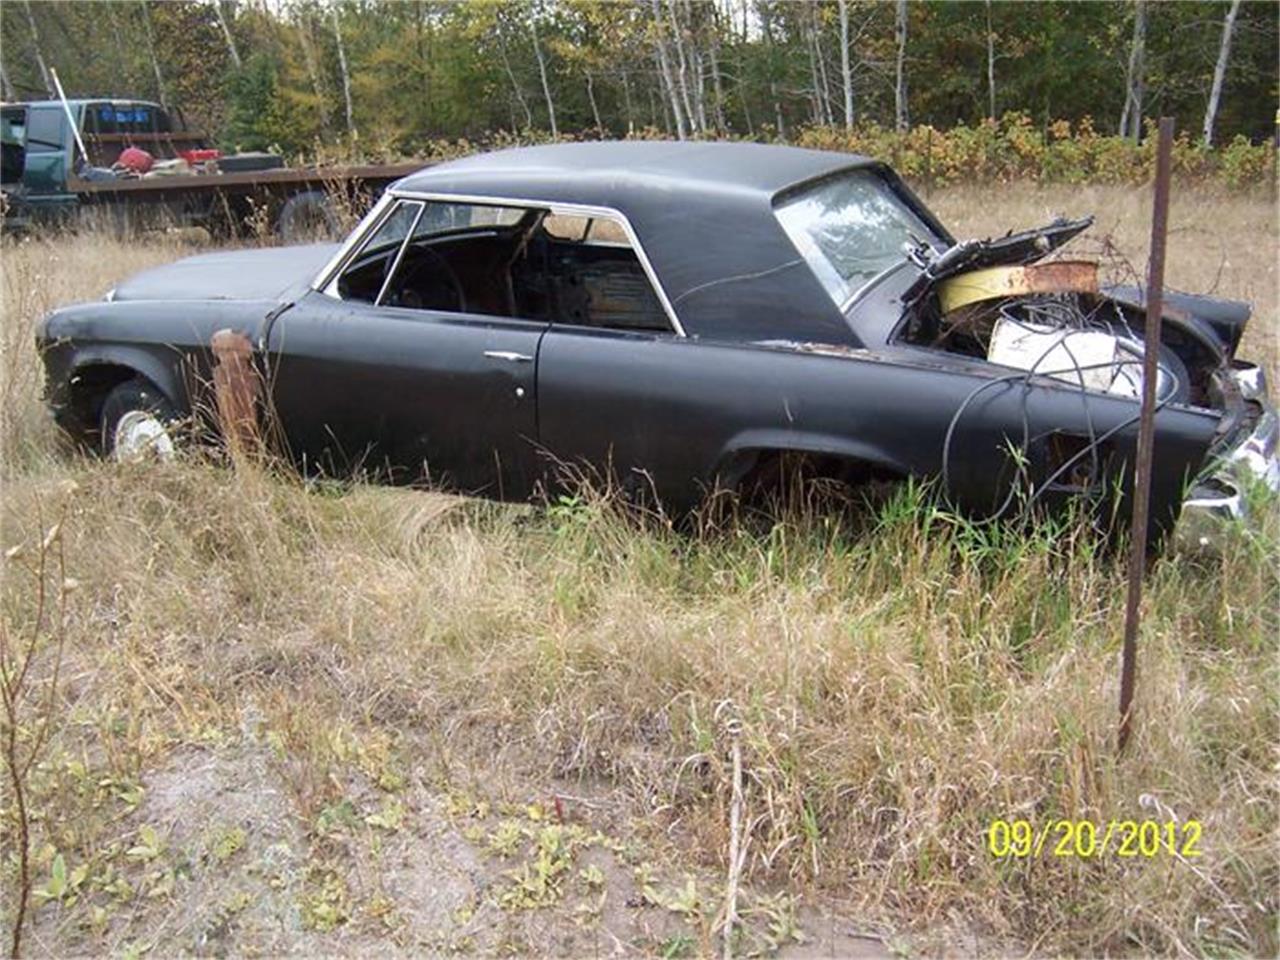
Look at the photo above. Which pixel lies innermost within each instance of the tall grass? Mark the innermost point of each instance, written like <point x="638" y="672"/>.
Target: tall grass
<point x="902" y="678"/>
<point x="39" y="275"/>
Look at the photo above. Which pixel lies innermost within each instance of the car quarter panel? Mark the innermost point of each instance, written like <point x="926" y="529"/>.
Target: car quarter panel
<point x="674" y="413"/>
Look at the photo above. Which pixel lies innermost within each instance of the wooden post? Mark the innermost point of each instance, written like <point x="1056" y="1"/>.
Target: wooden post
<point x="235" y="384"/>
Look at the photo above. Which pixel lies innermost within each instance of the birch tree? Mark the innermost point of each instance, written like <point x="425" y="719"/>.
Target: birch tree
<point x="991" y="67"/>
<point x="901" y="119"/>
<point x="822" y="85"/>
<point x="627" y="107"/>
<point x="1220" y="72"/>
<point x="542" y="72"/>
<point x="815" y="79"/>
<point x="499" y="29"/>
<point x="699" y="86"/>
<point x="752" y="67"/>
<point x="713" y="52"/>
<point x="127" y="73"/>
<point x="226" y="32"/>
<point x="770" y="46"/>
<point x="595" y="109"/>
<point x="664" y="67"/>
<point x="151" y="49"/>
<point x="35" y="48"/>
<point x="846" y="71"/>
<point x="313" y="70"/>
<point x="682" y="66"/>
<point x="1135" y="76"/>
<point x="346" y="73"/>
<point x="713" y="58"/>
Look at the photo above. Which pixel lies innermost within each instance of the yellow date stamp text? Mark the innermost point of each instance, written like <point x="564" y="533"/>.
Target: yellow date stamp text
<point x="1084" y="839"/>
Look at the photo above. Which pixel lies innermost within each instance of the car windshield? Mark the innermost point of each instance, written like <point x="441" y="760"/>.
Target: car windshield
<point x="851" y="229"/>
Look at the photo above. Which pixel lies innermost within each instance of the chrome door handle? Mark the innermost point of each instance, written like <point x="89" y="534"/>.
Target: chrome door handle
<point x="508" y="355"/>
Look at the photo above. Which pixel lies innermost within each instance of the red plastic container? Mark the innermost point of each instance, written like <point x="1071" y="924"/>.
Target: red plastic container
<point x="199" y="156"/>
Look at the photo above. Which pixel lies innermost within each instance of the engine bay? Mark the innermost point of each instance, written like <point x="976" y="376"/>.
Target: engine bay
<point x="991" y="300"/>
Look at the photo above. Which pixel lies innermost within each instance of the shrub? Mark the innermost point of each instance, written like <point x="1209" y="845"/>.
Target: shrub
<point x="1014" y="148"/>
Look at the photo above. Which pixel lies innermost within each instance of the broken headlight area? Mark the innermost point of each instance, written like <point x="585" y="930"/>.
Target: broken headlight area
<point x="1245" y="459"/>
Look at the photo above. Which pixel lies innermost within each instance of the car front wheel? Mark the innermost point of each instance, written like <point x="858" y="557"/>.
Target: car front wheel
<point x="136" y="424"/>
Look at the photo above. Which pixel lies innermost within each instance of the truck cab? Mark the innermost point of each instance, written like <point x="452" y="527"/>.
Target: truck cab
<point x="47" y="180"/>
<point x="41" y="161"/>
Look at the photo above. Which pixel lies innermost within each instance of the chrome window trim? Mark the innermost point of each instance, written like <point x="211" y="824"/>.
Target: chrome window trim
<point x="404" y="245"/>
<point x="326" y="281"/>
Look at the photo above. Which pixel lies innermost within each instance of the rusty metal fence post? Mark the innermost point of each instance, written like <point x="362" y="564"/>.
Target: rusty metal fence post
<point x="1146" y="431"/>
<point x="235" y="384"/>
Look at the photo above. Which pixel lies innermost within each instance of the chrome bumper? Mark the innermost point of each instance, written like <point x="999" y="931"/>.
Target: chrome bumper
<point x="1221" y="495"/>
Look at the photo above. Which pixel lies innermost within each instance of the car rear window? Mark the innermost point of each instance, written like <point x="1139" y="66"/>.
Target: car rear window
<point x="850" y="229"/>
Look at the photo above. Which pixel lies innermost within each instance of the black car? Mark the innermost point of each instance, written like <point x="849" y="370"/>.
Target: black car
<point x="681" y="316"/>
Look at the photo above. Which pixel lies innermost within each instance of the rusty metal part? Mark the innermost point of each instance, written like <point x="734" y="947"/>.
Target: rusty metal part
<point x="1146" y="432"/>
<point x="993" y="283"/>
<point x="825" y="349"/>
<point x="236" y="387"/>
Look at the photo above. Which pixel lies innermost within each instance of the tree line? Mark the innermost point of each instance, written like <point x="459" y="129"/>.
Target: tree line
<point x="383" y="77"/>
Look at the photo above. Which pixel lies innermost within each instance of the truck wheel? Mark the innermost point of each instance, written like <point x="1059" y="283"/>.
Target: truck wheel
<point x="307" y="218"/>
<point x="136" y="423"/>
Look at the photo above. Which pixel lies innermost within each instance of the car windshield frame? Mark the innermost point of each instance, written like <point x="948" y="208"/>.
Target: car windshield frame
<point x="816" y="232"/>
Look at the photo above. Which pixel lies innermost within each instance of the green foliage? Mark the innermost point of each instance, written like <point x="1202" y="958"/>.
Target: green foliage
<point x="253" y="105"/>
<point x="428" y="71"/>
<point x="326" y="904"/>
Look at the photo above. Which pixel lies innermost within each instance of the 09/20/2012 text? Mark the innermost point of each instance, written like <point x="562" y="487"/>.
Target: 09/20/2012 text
<point x="1085" y="839"/>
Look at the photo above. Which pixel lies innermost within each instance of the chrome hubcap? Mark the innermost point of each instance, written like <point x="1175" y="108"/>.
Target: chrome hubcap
<point x="140" y="435"/>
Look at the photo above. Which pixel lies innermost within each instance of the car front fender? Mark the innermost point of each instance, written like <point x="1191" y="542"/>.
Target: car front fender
<point x="742" y="451"/>
<point x="78" y="376"/>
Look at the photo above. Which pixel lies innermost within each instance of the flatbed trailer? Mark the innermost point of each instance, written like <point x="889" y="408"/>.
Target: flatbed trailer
<point x="298" y="203"/>
<point x="45" y="182"/>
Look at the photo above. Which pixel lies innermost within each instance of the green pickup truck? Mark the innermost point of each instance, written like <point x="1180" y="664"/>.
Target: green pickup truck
<point x="47" y="181"/>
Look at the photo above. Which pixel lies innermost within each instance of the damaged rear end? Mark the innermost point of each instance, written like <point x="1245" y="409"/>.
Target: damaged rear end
<point x="1053" y="323"/>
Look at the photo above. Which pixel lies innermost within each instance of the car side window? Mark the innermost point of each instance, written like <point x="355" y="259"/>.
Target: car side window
<point x="591" y="276"/>
<point x="367" y="272"/>
<point x="518" y="262"/>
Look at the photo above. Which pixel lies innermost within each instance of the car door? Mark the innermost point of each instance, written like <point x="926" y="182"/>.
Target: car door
<point x="619" y="396"/>
<point x="405" y="393"/>
<point x="627" y="409"/>
<point x="45" y="166"/>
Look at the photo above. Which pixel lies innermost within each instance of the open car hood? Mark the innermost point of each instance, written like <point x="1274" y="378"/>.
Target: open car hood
<point x="1013" y="249"/>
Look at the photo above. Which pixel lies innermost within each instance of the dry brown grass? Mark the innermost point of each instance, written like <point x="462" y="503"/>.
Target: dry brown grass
<point x="39" y="275"/>
<point x="319" y="657"/>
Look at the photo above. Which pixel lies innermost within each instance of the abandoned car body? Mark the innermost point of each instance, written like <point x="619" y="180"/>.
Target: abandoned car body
<point x="680" y="315"/>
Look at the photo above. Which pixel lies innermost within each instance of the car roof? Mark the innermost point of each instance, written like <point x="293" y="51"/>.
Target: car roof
<point x="628" y="170"/>
<point x="703" y="214"/>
